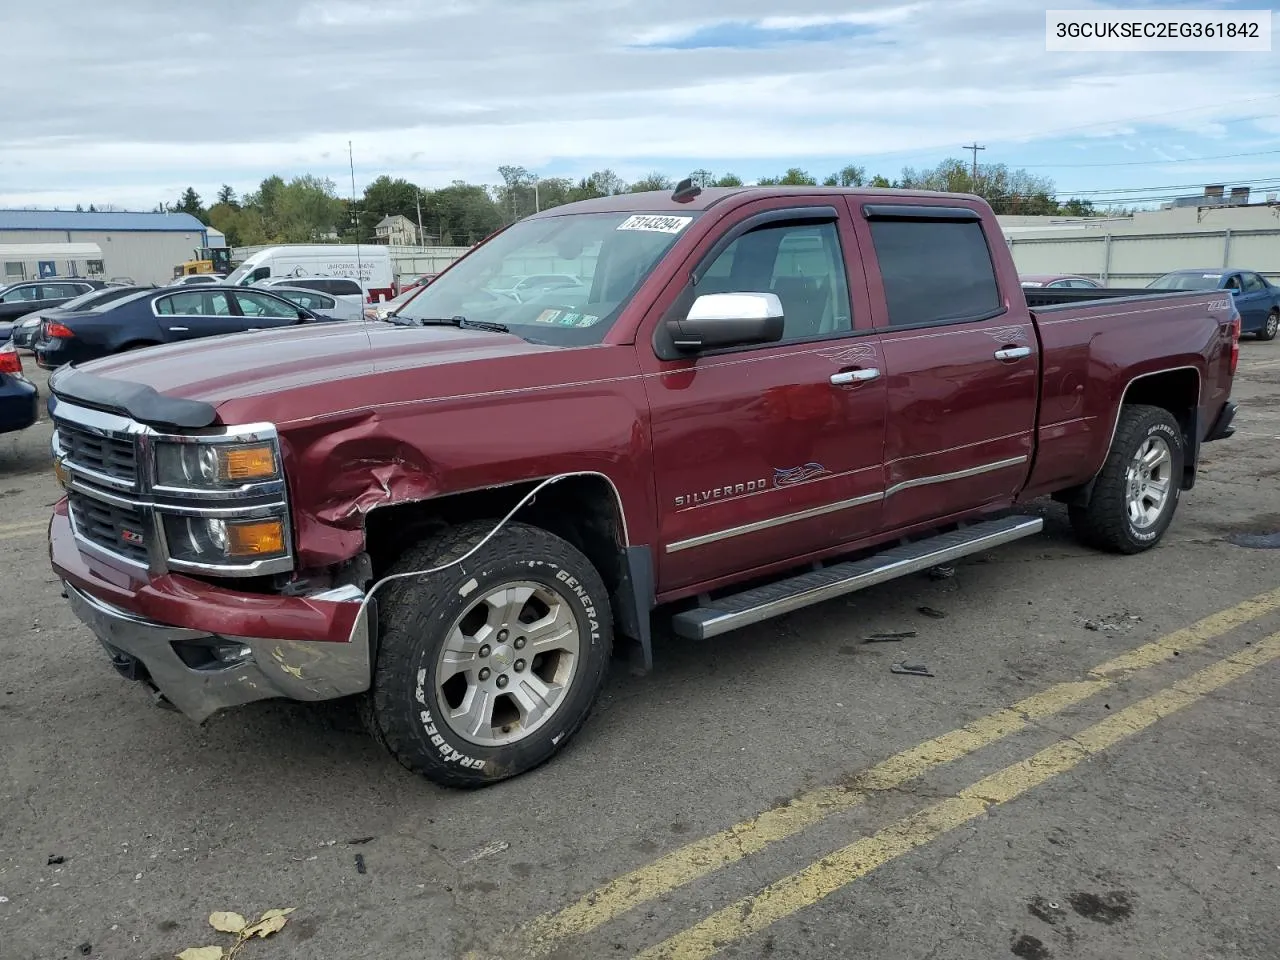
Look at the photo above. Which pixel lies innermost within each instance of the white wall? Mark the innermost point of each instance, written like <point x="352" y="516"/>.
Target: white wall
<point x="146" y="257"/>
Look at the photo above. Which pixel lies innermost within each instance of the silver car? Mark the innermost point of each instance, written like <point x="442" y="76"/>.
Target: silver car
<point x="321" y="303"/>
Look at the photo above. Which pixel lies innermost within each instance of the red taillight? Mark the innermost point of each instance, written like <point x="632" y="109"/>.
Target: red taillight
<point x="1235" y="342"/>
<point x="10" y="362"/>
<point x="59" y="331"/>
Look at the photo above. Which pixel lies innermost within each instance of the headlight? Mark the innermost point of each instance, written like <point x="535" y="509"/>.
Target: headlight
<point x="210" y="540"/>
<point x="212" y="466"/>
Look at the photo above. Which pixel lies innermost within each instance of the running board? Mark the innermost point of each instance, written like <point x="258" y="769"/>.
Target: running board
<point x="784" y="596"/>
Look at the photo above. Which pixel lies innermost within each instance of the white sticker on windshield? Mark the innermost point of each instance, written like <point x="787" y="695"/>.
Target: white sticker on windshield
<point x="655" y="224"/>
<point x="1210" y="276"/>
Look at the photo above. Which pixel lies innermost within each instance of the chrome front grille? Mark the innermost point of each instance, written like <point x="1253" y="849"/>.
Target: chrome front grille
<point x="121" y="530"/>
<point x="109" y="457"/>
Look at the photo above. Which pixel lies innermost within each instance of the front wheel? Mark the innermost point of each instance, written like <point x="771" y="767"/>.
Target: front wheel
<point x="1271" y="327"/>
<point x="1136" y="493"/>
<point x="487" y="668"/>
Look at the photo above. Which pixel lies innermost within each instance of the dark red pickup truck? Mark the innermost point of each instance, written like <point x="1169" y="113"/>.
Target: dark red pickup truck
<point x="753" y="400"/>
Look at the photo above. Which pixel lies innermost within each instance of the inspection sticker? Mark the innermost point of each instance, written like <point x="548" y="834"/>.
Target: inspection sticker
<point x="655" y="224"/>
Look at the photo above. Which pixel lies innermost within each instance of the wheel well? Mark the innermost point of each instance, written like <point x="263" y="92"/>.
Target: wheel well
<point x="1177" y="391"/>
<point x="583" y="509"/>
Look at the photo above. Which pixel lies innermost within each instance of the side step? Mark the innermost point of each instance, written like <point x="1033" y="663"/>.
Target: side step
<point x="784" y="596"/>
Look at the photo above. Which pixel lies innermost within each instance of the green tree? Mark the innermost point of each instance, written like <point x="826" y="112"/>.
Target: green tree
<point x="794" y="177"/>
<point x="653" y="181"/>
<point x="461" y="214"/>
<point x="190" y="203"/>
<point x="879" y="181"/>
<point x="1077" y="208"/>
<point x="728" y="180"/>
<point x="386" y="197"/>
<point x="848" y="176"/>
<point x="306" y="210"/>
<point x="227" y="197"/>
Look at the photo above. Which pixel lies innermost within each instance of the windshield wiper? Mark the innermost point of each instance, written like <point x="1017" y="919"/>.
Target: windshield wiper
<point x="464" y="323"/>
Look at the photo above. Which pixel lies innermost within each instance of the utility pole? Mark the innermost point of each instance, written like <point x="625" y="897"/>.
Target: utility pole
<point x="974" y="148"/>
<point x="417" y="199"/>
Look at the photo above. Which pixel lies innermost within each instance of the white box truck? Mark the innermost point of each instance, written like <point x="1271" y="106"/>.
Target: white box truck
<point x="367" y="263"/>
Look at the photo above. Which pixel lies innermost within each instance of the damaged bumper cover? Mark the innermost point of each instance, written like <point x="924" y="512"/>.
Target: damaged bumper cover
<point x="230" y="651"/>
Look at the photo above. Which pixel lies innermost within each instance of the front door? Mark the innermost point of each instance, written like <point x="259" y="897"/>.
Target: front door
<point x="194" y="313"/>
<point x="1253" y="301"/>
<point x="961" y="357"/>
<point x="767" y="453"/>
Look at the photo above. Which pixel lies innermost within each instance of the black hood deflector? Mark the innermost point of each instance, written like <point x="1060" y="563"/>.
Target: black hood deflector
<point x="135" y="400"/>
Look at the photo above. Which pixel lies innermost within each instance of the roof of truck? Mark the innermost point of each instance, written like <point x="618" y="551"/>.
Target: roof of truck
<point x="660" y="200"/>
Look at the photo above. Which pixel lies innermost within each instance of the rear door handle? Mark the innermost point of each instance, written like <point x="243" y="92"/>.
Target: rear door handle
<point x="1013" y="353"/>
<point x="845" y="377"/>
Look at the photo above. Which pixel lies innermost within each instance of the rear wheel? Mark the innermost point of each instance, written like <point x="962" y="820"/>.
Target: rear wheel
<point x="487" y="668"/>
<point x="1136" y="493"/>
<point x="1271" y="327"/>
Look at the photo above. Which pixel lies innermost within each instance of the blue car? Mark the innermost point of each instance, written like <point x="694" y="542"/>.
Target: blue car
<point x="18" y="395"/>
<point x="1257" y="299"/>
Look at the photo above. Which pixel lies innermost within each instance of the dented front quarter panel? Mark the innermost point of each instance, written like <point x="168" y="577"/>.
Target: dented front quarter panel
<point x="373" y="441"/>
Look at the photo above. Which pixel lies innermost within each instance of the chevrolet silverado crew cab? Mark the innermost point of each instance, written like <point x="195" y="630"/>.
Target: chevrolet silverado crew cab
<point x="754" y="400"/>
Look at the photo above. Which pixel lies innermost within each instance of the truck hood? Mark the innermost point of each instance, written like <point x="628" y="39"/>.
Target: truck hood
<point x="220" y="370"/>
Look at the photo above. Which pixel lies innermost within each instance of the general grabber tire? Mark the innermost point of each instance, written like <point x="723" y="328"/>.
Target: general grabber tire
<point x="1136" y="494"/>
<point x="487" y="668"/>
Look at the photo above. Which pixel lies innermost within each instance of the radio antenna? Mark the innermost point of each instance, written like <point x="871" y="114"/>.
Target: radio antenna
<point x="356" y="217"/>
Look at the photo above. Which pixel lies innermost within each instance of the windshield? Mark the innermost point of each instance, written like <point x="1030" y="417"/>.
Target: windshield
<point x="1186" y="281"/>
<point x="238" y="275"/>
<point x="560" y="280"/>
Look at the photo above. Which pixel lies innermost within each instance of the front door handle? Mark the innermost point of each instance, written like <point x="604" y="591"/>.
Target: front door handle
<point x="845" y="377"/>
<point x="1013" y="353"/>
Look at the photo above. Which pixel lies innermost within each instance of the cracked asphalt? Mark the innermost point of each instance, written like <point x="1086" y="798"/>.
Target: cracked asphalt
<point x="1090" y="773"/>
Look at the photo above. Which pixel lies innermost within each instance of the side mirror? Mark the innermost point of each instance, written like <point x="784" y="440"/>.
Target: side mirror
<point x="728" y="320"/>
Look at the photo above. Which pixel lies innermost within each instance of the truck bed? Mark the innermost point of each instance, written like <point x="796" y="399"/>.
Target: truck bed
<point x="1042" y="299"/>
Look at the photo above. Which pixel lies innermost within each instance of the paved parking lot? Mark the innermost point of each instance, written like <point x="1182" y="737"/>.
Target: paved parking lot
<point x="1090" y="773"/>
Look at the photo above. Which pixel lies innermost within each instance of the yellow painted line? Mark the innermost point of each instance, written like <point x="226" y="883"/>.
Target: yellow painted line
<point x="708" y="854"/>
<point x="16" y="530"/>
<point x="807" y="887"/>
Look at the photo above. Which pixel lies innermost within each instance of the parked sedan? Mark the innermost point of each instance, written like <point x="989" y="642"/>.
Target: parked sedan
<point x="21" y="298"/>
<point x="165" y="315"/>
<point x="322" y="303"/>
<point x="1257" y="299"/>
<point x="1057" y="281"/>
<point x="25" y="329"/>
<point x="340" y="288"/>
<point x="19" y="397"/>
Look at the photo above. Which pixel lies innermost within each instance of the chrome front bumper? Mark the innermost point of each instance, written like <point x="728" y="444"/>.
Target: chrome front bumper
<point x="201" y="673"/>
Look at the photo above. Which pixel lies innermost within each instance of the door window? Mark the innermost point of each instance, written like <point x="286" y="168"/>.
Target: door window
<point x="21" y="295"/>
<point x="195" y="303"/>
<point x="1253" y="283"/>
<point x="261" y="305"/>
<point x="935" y="271"/>
<point x="802" y="264"/>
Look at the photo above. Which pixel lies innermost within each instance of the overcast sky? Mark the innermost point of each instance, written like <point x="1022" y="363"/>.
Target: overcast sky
<point x="128" y="102"/>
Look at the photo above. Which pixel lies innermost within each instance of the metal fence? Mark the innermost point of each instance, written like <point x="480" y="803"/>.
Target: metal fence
<point x="1135" y="259"/>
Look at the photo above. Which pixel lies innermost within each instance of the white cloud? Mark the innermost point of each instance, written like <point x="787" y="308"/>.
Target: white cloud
<point x="138" y="103"/>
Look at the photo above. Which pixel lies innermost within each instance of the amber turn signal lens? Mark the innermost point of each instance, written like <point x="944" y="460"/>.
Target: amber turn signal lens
<point x="249" y="463"/>
<point x="260" y="538"/>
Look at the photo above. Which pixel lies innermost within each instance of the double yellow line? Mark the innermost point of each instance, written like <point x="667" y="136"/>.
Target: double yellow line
<point x="702" y="857"/>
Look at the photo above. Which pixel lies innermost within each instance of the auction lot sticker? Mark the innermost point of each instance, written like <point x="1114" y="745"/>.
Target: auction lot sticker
<point x="655" y="224"/>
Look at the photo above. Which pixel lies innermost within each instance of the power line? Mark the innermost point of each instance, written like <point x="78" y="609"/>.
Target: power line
<point x="1168" y="186"/>
<point x="1098" y="123"/>
<point x="1146" y="163"/>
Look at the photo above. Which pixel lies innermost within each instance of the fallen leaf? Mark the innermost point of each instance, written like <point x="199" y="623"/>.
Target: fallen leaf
<point x="201" y="953"/>
<point x="266" y="927"/>
<point x="278" y="913"/>
<point x="227" y="922"/>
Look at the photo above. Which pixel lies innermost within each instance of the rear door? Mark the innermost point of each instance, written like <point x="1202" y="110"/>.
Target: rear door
<point x="768" y="453"/>
<point x="189" y="314"/>
<point x="961" y="358"/>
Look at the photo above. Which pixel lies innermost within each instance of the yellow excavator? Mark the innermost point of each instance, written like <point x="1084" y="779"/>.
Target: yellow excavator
<point x="206" y="260"/>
